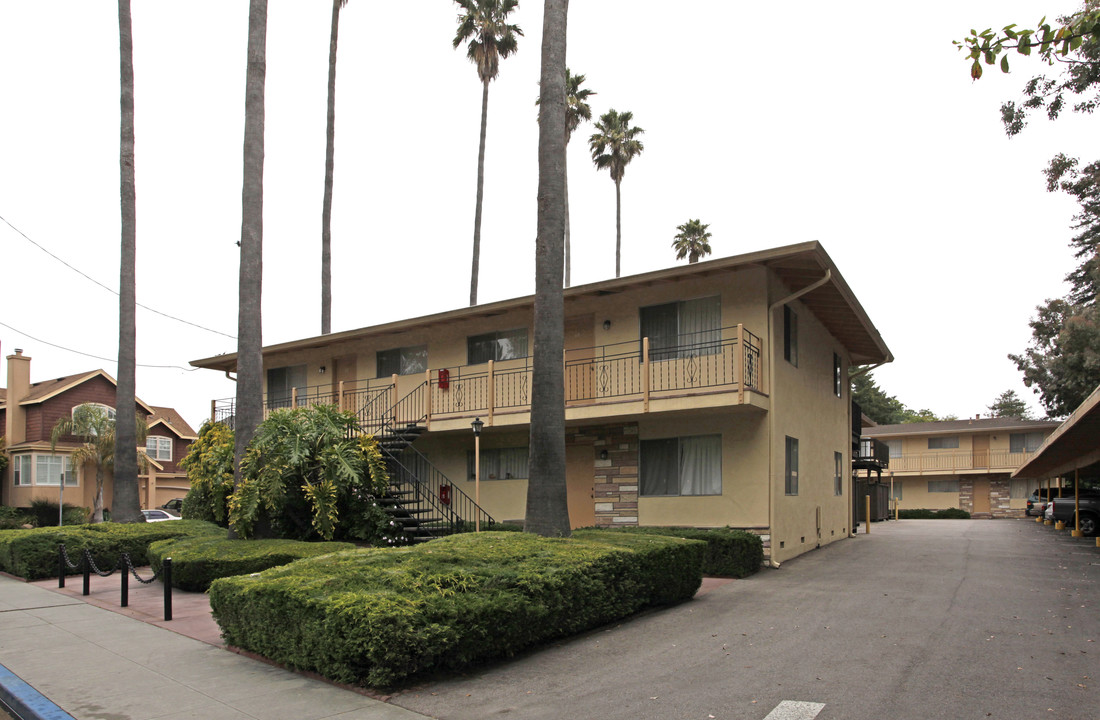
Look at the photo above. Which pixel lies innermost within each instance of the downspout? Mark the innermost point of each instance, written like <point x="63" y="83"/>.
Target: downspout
<point x="230" y="376"/>
<point x="771" y="415"/>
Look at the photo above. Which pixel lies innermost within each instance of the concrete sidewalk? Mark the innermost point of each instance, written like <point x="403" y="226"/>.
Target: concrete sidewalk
<point x="96" y="663"/>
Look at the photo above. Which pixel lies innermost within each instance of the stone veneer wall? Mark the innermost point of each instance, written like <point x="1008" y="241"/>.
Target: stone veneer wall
<point x="999" y="499"/>
<point x="616" y="478"/>
<point x="966" y="494"/>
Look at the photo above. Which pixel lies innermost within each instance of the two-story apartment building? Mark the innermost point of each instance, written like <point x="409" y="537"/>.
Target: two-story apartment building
<point x="705" y="395"/>
<point x="963" y="464"/>
<point x="28" y="413"/>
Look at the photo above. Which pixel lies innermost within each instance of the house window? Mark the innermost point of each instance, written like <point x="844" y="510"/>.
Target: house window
<point x="22" y="466"/>
<point x="683" y="329"/>
<point x="895" y="493"/>
<point x="1025" y="442"/>
<point x="790" y="482"/>
<point x="159" y="448"/>
<point x="790" y="336"/>
<point x="1018" y="489"/>
<point x="838" y="473"/>
<point x="506" y="345"/>
<point x="403" y="361"/>
<point x="50" y="469"/>
<point x="681" y="466"/>
<point x="837" y="385"/>
<point x="947" y="442"/>
<point x="943" y="486"/>
<point x="500" y="463"/>
<point x="87" y="425"/>
<point x="895" y="447"/>
<point x="281" y="384"/>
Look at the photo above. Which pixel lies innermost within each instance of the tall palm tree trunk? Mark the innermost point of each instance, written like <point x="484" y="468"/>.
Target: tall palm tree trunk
<point x="565" y="164"/>
<point x="618" y="228"/>
<point x="547" y="510"/>
<point x="127" y="505"/>
<point x="330" y="152"/>
<point x="249" y="405"/>
<point x="480" y="185"/>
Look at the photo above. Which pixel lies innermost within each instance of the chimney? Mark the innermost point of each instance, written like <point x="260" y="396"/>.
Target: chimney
<point x="977" y="416"/>
<point x="19" y="386"/>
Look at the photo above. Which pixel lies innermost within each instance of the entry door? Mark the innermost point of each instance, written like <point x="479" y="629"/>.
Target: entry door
<point x="579" y="372"/>
<point x="981" y="495"/>
<point x="580" y="474"/>
<point x="980" y="451"/>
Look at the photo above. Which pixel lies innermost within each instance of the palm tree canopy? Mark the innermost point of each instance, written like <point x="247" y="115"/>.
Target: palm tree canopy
<point x="615" y="143"/>
<point x="576" y="103"/>
<point x="484" y="25"/>
<point x="96" y="429"/>
<point x="693" y="239"/>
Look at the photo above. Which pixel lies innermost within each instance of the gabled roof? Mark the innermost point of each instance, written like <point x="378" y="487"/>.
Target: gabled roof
<point x="46" y="389"/>
<point x="797" y="266"/>
<point x="1073" y="446"/>
<point x="169" y="418"/>
<point x="958" y="427"/>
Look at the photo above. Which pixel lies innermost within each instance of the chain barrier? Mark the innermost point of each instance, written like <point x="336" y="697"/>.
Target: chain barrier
<point x="133" y="571"/>
<point x="88" y="565"/>
<point x="95" y="568"/>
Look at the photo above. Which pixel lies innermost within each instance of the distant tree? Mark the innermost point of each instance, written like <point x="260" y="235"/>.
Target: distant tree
<point x="692" y="242"/>
<point x="886" y="409"/>
<point x="614" y="144"/>
<point x="1009" y="404"/>
<point x="483" y="24"/>
<point x="96" y="430"/>
<point x="1062" y="362"/>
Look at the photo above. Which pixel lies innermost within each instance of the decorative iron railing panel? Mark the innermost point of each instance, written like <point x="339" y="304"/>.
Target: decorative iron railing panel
<point x="450" y="507"/>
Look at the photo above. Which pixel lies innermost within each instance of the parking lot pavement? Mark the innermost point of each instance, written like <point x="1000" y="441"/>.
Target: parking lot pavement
<point x="921" y="619"/>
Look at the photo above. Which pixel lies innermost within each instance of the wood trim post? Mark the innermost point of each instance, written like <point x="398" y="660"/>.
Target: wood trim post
<point x="645" y="374"/>
<point x="294" y="398"/>
<point x="740" y="364"/>
<point x="491" y="392"/>
<point x="340" y="395"/>
<point x="213" y="409"/>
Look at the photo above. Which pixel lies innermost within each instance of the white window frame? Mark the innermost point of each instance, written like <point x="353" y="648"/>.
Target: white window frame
<point x="66" y="470"/>
<point x="23" y="476"/>
<point x="161" y="447"/>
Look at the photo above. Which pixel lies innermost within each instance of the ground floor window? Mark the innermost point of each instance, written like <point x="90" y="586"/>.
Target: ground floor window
<point x="500" y="463"/>
<point x="838" y="473"/>
<point x="22" y="467"/>
<point x="896" y="492"/>
<point x="790" y="474"/>
<point x="943" y="486"/>
<point x="1018" y="489"/>
<point x="681" y="466"/>
<point x="47" y="470"/>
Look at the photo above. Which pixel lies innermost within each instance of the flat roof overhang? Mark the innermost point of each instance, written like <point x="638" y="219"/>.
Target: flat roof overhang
<point x="1075" y="445"/>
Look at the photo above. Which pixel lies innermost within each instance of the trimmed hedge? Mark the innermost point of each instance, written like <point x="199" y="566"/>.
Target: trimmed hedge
<point x="730" y="553"/>
<point x="198" y="561"/>
<point x="32" y="554"/>
<point x="378" y="616"/>
<point x="946" y="514"/>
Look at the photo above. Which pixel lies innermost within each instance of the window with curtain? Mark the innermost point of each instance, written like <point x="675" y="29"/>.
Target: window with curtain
<point x="790" y="481"/>
<point x="1018" y="489"/>
<point x="500" y="463"/>
<point x="1025" y="442"/>
<point x="504" y="345"/>
<point x="947" y="442"/>
<point x="402" y="361"/>
<point x="895" y="447"/>
<point x="682" y="329"/>
<point x="281" y="383"/>
<point x="939" y="486"/>
<point x="681" y="466"/>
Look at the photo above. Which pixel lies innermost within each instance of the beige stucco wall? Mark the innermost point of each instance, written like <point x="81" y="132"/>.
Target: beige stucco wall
<point x="915" y="495"/>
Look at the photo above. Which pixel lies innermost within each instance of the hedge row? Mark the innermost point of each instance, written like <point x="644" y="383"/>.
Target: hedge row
<point x="378" y="616"/>
<point x="198" y="561"/>
<point x="921" y="514"/>
<point x="32" y="554"/>
<point x="730" y="553"/>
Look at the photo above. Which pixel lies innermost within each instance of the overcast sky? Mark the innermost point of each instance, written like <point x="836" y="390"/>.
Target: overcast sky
<point x="854" y="124"/>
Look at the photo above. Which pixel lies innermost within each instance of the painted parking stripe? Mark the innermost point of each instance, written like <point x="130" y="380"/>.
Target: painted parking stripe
<point x="795" y="710"/>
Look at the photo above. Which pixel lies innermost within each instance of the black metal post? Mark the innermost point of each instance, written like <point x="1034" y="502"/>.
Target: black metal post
<point x="167" y="589"/>
<point x="61" y="565"/>
<point x="86" y="562"/>
<point x="124" y="561"/>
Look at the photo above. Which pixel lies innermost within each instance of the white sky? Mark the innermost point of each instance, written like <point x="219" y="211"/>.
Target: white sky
<point x="856" y="125"/>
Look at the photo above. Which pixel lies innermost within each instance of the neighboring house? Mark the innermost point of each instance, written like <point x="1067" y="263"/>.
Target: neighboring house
<point x="28" y="413"/>
<point x="708" y="395"/>
<point x="963" y="464"/>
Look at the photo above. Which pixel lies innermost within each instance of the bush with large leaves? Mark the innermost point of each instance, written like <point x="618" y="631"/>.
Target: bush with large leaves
<point x="304" y="470"/>
<point x="209" y="466"/>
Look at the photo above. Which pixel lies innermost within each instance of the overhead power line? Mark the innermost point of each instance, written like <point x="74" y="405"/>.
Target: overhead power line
<point x="97" y="357"/>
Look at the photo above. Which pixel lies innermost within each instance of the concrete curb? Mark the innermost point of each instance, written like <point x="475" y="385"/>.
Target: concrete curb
<point x="25" y="701"/>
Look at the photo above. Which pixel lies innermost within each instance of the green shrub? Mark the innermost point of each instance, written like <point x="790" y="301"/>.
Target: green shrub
<point x="33" y="554"/>
<point x="924" y="514"/>
<point x="13" y="518"/>
<point x="209" y="466"/>
<point x="378" y="616"/>
<point x="43" y="513"/>
<point x="197" y="561"/>
<point x="730" y="553"/>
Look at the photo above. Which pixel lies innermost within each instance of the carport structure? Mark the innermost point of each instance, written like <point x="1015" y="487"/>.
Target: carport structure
<point x="1072" y="449"/>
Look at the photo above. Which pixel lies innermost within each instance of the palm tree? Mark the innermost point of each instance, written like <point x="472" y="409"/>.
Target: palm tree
<point x="126" y="501"/>
<point x="484" y="25"/>
<point x="547" y="511"/>
<point x="98" y="433"/>
<point x="613" y="146"/>
<point x="250" y="364"/>
<point x="692" y="241"/>
<point x="576" y="109"/>
<point x="330" y="149"/>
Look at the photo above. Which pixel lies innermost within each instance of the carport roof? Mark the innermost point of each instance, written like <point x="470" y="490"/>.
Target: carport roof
<point x="1075" y="445"/>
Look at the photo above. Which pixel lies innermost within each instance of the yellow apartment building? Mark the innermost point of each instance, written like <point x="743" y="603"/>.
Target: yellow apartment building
<point x="708" y="395"/>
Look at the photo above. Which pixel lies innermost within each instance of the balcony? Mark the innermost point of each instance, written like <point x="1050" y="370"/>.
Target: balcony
<point x="873" y="455"/>
<point x="720" y="367"/>
<point x="966" y="461"/>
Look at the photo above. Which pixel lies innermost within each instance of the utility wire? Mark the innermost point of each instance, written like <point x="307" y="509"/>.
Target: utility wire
<point x="113" y="292"/>
<point x="97" y="357"/>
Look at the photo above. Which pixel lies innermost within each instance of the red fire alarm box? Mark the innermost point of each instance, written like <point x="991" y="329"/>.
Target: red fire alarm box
<point x="444" y="379"/>
<point x="445" y="494"/>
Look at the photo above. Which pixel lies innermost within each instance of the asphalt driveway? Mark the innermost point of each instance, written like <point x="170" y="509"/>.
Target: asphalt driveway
<point x="921" y="619"/>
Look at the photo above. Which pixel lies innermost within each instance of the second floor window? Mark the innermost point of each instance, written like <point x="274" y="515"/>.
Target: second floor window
<point x="790" y="336"/>
<point x="683" y="329"/>
<point x="281" y="383"/>
<point x="947" y="442"/>
<point x="159" y="448"/>
<point x="895" y="447"/>
<point x="1024" y="442"/>
<point x="505" y="345"/>
<point x="837" y="372"/>
<point x="403" y="361"/>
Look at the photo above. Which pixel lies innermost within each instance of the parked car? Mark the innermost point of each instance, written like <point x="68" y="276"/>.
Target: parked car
<point x="175" y="505"/>
<point x="1038" y="498"/>
<point x="1063" y="509"/>
<point x="158" y="515"/>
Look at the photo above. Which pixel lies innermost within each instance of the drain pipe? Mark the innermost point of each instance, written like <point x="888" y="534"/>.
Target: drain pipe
<point x="771" y="415"/>
<point x="230" y="376"/>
